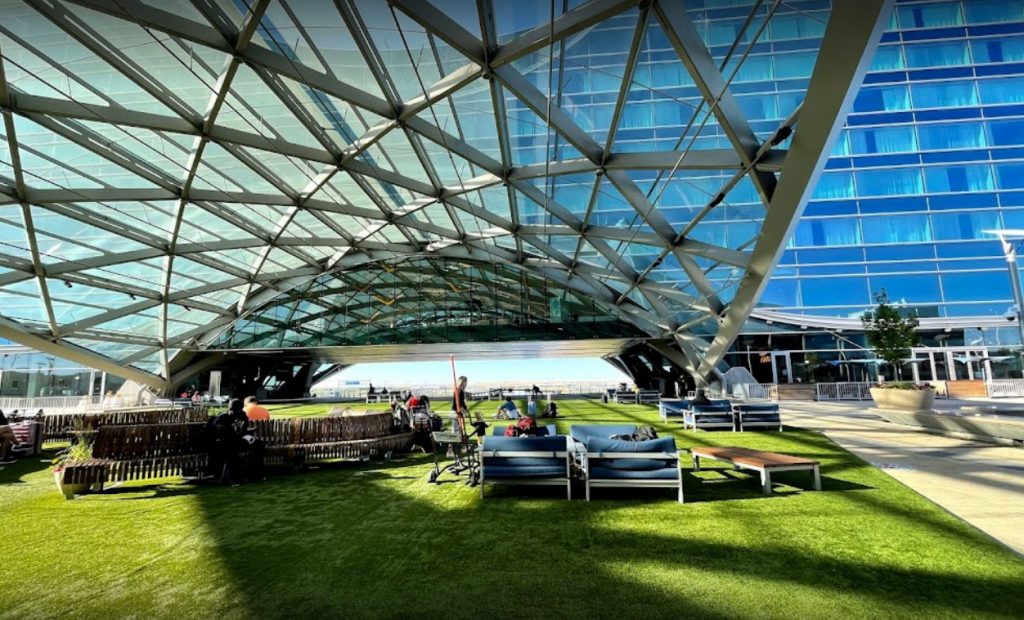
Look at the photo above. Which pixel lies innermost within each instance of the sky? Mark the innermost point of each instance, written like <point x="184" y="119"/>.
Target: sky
<point x="484" y="371"/>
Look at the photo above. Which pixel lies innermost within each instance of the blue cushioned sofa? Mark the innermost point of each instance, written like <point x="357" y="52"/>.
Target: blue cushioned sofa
<point x="716" y="414"/>
<point x="619" y="463"/>
<point x="758" y="415"/>
<point x="525" y="460"/>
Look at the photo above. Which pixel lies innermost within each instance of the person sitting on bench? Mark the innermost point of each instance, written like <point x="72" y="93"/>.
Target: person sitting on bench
<point x="7" y="441"/>
<point x="508" y="410"/>
<point x="254" y="411"/>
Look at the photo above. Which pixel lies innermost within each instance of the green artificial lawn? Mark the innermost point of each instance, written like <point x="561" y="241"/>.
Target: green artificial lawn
<point x="366" y="540"/>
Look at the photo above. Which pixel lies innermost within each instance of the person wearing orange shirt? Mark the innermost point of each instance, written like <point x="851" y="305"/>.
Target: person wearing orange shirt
<point x="254" y="411"/>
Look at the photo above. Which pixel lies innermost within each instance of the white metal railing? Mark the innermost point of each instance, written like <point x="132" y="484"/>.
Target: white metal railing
<point x="1003" y="388"/>
<point x="850" y="390"/>
<point x="756" y="391"/>
<point x="51" y="403"/>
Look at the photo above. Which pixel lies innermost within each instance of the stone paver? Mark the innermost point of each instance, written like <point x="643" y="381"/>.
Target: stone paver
<point x="979" y="482"/>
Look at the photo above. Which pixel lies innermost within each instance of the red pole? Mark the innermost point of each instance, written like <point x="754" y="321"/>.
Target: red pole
<point x="455" y="398"/>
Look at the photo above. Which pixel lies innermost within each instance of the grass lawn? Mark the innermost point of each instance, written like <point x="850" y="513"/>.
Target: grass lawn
<point x="376" y="541"/>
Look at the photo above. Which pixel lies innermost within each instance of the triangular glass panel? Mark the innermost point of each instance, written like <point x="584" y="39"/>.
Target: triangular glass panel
<point x="155" y="217"/>
<point x="72" y="71"/>
<point x="48" y="157"/>
<point x="147" y="275"/>
<point x="251" y="106"/>
<point x="186" y="70"/>
<point x="62" y="238"/>
<point x="468" y="114"/>
<point x="403" y="47"/>
<point x="512" y="18"/>
<point x="328" y="38"/>
<point x="530" y="139"/>
<point x="611" y="209"/>
<point x="342" y="122"/>
<point x="221" y="170"/>
<point x="594" y="66"/>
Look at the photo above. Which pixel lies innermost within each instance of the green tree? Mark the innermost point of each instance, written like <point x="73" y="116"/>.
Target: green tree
<point x="890" y="333"/>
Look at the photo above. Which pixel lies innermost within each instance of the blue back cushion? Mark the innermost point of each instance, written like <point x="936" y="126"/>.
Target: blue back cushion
<point x="677" y="406"/>
<point x="525" y="444"/>
<point x="722" y="405"/>
<point x="582" y="432"/>
<point x="662" y="444"/>
<point x="545" y="431"/>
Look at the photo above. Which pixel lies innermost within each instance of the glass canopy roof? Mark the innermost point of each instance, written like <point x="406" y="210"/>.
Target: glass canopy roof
<point x="282" y="173"/>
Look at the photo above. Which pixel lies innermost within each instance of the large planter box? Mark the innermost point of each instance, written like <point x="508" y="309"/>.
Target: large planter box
<point x="903" y="400"/>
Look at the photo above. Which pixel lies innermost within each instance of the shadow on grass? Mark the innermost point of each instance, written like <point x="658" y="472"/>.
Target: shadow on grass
<point x="16" y="472"/>
<point x="387" y="544"/>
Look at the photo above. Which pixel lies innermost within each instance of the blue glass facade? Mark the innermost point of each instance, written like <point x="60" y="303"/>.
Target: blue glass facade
<point x="932" y="156"/>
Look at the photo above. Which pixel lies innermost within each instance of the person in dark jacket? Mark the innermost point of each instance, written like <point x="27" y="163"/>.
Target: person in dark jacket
<point x="231" y="440"/>
<point x="7" y="441"/>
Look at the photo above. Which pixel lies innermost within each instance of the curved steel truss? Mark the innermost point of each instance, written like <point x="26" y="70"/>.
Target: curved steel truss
<point x="231" y="174"/>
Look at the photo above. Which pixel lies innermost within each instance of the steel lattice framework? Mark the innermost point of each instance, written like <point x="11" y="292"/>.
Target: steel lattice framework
<point x="169" y="171"/>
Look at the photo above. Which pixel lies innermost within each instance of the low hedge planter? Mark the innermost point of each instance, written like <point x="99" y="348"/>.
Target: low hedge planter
<point x="903" y="400"/>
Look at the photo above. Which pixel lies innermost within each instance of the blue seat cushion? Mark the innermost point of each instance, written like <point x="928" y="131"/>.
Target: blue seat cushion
<point x="761" y="417"/>
<point x="610" y="473"/>
<point x="710" y="418"/>
<point x="599" y="444"/>
<point x="581" y="432"/>
<point x="521" y="471"/>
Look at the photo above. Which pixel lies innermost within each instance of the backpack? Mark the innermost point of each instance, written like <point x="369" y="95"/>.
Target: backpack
<point x="526" y="426"/>
<point x="511" y="430"/>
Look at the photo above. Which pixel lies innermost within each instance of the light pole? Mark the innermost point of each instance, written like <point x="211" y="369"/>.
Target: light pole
<point x="1010" y="251"/>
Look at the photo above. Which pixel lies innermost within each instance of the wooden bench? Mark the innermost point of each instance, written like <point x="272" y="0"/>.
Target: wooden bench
<point x="141" y="451"/>
<point x="764" y="462"/>
<point x="62" y="426"/>
<point x="301" y="440"/>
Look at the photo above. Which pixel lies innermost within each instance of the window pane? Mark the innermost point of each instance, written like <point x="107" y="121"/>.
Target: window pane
<point x="909" y="288"/>
<point x="998" y="50"/>
<point x="896" y="229"/>
<point x="952" y="136"/>
<point x="982" y="11"/>
<point x="896" y="182"/>
<point x="934" y="15"/>
<point x="1007" y="133"/>
<point x="1004" y="90"/>
<point x="944" y="94"/>
<point x="835" y="291"/>
<point x="958" y="178"/>
<point x="830" y="232"/>
<point x="957" y="226"/>
<point x="835" y="185"/>
<point x="944" y="54"/>
<point x="882" y="99"/>
<point x="888" y="58"/>
<point x="900" y="139"/>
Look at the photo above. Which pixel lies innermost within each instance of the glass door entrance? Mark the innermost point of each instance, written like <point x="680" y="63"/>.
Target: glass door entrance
<point x="781" y="367"/>
<point x="951" y="364"/>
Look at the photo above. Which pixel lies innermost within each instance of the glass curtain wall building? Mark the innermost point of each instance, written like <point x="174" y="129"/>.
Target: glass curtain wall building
<point x="931" y="157"/>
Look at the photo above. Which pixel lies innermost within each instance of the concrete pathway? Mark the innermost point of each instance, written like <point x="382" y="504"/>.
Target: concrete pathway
<point x="979" y="482"/>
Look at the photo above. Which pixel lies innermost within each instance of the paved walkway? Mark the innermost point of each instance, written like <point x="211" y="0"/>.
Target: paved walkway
<point x="979" y="482"/>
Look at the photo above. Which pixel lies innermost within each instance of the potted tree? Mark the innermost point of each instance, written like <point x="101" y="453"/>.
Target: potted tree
<point x="891" y="334"/>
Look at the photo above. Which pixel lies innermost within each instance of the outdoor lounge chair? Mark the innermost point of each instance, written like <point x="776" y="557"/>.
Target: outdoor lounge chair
<point x="525" y="460"/>
<point x="757" y="415"/>
<point x="716" y="414"/>
<point x="619" y="463"/>
<point x="673" y="408"/>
